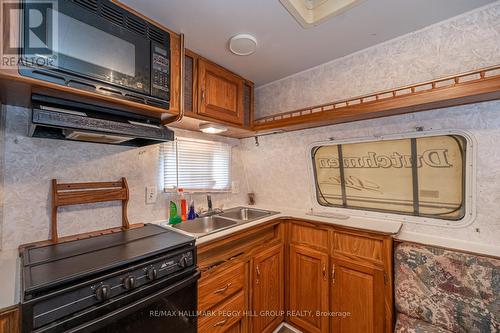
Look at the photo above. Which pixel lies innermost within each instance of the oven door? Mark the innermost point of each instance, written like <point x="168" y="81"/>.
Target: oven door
<point x="68" y="38"/>
<point x="173" y="308"/>
<point x="165" y="304"/>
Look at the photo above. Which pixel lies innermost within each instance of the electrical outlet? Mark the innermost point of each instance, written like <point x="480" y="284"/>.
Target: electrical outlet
<point x="151" y="195"/>
<point x="235" y="187"/>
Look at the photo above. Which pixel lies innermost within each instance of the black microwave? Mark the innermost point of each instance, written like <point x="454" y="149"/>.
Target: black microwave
<point x="96" y="45"/>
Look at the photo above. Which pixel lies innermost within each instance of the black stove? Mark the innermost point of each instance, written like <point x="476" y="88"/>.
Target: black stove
<point x="111" y="283"/>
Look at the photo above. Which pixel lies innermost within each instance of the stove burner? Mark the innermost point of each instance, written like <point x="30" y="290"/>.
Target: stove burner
<point x="66" y="280"/>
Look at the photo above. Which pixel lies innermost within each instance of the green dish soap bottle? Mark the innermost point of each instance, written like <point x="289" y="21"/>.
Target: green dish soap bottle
<point x="174" y="218"/>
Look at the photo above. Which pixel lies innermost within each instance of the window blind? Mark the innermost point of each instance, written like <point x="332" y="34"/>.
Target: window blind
<point x="196" y="165"/>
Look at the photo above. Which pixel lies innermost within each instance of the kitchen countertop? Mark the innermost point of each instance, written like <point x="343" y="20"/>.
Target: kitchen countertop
<point x="381" y="226"/>
<point x="10" y="262"/>
<point x="388" y="227"/>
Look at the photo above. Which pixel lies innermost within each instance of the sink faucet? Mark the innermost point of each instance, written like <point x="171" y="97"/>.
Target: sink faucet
<point x="209" y="202"/>
<point x="210" y="211"/>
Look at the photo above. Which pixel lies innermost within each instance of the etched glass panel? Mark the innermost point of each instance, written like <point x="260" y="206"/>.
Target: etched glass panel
<point x="328" y="182"/>
<point x="378" y="175"/>
<point x="416" y="176"/>
<point x="440" y="174"/>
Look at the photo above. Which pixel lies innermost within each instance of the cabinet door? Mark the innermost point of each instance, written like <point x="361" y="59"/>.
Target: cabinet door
<point x="236" y="328"/>
<point x="358" y="292"/>
<point x="220" y="93"/>
<point x="268" y="289"/>
<point x="9" y="321"/>
<point x="308" y="289"/>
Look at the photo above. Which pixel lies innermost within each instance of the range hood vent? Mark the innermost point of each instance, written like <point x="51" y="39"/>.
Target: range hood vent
<point x="94" y="137"/>
<point x="54" y="118"/>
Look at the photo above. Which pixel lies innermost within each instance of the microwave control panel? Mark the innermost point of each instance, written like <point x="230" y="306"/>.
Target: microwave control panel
<point x="160" y="75"/>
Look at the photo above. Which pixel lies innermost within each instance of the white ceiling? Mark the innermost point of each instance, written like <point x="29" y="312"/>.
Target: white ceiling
<point x="284" y="47"/>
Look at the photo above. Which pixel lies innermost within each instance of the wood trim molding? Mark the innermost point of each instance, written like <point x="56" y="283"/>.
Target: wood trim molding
<point x="465" y="88"/>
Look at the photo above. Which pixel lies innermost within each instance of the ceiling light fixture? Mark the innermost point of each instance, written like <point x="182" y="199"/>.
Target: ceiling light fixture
<point x="243" y="44"/>
<point x="211" y="128"/>
<point x="310" y="13"/>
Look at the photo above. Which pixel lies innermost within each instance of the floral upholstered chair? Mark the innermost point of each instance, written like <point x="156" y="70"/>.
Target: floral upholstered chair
<point x="445" y="291"/>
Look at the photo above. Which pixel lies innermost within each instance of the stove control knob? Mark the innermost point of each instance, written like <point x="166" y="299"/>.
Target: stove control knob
<point x="152" y="273"/>
<point x="183" y="261"/>
<point x="103" y="292"/>
<point x="129" y="282"/>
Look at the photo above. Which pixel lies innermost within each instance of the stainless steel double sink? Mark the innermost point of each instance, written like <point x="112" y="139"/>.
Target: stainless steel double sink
<point x="227" y="219"/>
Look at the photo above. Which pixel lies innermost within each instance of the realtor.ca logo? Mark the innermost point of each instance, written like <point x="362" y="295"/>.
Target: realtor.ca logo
<point x="29" y="29"/>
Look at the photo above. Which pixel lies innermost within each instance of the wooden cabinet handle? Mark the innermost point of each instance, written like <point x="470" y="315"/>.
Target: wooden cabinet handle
<point x="333" y="273"/>
<point x="203" y="95"/>
<point x="324" y="271"/>
<point x="220" y="323"/>
<point x="257" y="269"/>
<point x="223" y="289"/>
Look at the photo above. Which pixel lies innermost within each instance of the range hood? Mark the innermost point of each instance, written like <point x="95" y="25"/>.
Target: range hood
<point x="54" y="118"/>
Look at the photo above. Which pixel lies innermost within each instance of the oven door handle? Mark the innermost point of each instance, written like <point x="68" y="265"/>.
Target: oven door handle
<point x="101" y="321"/>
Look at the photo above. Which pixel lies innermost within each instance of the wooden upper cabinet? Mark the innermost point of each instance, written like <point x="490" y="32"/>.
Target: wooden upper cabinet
<point x="220" y="93"/>
<point x="268" y="289"/>
<point x="214" y="94"/>
<point x="308" y="289"/>
<point x="358" y="291"/>
<point x="175" y="75"/>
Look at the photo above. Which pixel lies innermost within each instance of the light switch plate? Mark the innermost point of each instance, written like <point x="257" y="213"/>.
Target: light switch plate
<point x="151" y="195"/>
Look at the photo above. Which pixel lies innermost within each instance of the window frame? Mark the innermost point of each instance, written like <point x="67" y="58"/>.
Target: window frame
<point x="469" y="181"/>
<point x="188" y="190"/>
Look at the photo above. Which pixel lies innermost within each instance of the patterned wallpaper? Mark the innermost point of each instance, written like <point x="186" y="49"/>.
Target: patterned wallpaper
<point x="464" y="43"/>
<point x="30" y="164"/>
<point x="278" y="170"/>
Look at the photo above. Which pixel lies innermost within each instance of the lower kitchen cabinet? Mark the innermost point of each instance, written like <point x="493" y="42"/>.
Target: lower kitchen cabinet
<point x="228" y="316"/>
<point x="308" y="289"/>
<point x="268" y="289"/>
<point x="217" y="287"/>
<point x="326" y="278"/>
<point x="358" y="292"/>
<point x="9" y="321"/>
<point x="342" y="275"/>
